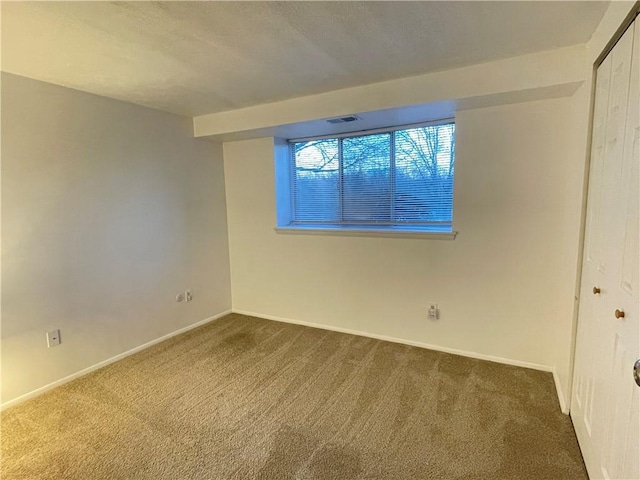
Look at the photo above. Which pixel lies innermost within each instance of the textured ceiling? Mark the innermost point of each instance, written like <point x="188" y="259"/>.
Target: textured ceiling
<point x="193" y="58"/>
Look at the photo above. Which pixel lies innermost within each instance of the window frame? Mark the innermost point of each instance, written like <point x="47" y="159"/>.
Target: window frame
<point x="405" y="229"/>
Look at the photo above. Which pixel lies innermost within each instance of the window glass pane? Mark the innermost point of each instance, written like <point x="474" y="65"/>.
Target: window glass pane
<point x="401" y="178"/>
<point x="424" y="161"/>
<point x="316" y="180"/>
<point x="366" y="179"/>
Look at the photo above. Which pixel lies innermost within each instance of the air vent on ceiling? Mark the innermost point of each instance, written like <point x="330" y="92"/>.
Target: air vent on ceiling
<point x="350" y="118"/>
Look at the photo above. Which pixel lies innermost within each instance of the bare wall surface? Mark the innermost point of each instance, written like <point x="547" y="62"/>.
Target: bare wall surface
<point x="497" y="282"/>
<point x="108" y="211"/>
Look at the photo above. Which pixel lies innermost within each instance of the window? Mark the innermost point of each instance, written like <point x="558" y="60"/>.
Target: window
<point x="391" y="180"/>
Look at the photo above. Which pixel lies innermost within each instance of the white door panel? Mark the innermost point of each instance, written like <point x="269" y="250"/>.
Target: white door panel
<point x="606" y="400"/>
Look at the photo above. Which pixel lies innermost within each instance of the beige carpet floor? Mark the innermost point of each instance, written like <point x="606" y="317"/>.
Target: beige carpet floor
<point x="245" y="398"/>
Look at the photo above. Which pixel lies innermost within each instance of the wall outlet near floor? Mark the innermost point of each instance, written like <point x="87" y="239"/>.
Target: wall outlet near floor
<point x="53" y="338"/>
<point x="188" y="296"/>
<point x="434" y="311"/>
<point x="180" y="297"/>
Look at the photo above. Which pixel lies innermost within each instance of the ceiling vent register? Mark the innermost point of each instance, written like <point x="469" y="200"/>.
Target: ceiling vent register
<point x="350" y="118"/>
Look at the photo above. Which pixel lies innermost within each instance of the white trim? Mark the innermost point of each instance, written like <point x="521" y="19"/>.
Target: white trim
<point x="564" y="406"/>
<point x="104" y="363"/>
<point x="464" y="353"/>
<point x="366" y="232"/>
<point x="480" y="356"/>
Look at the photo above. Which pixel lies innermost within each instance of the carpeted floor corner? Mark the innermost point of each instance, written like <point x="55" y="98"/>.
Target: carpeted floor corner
<point x="245" y="398"/>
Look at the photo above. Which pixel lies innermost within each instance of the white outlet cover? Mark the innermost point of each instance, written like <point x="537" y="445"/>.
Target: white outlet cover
<point x="180" y="297"/>
<point x="53" y="338"/>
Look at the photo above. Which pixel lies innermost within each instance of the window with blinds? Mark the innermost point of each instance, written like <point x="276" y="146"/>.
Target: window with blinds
<point x="394" y="179"/>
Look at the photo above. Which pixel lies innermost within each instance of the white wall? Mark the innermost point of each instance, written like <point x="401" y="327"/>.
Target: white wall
<point x="108" y="211"/>
<point x="497" y="283"/>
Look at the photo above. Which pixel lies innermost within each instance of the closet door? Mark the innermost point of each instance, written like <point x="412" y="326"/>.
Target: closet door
<point x="606" y="400"/>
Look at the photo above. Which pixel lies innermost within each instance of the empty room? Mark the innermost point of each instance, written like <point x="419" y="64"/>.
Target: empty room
<point x="320" y="240"/>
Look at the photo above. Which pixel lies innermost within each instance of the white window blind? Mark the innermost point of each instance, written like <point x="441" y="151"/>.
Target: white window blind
<point x="396" y="178"/>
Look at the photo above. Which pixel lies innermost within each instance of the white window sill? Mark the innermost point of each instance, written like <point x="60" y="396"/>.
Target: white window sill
<point x="366" y="232"/>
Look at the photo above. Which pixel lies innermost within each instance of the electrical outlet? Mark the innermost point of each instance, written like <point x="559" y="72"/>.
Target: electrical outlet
<point x="434" y="311"/>
<point x="53" y="338"/>
<point x="188" y="296"/>
<point x="180" y="297"/>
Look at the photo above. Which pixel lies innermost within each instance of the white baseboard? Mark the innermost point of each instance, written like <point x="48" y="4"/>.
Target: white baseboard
<point x="464" y="353"/>
<point x="104" y="363"/>
<point x="564" y="406"/>
<point x="480" y="356"/>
